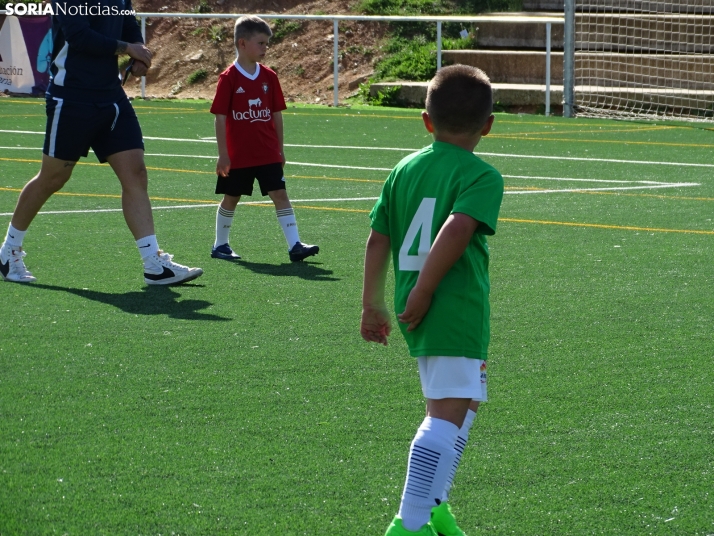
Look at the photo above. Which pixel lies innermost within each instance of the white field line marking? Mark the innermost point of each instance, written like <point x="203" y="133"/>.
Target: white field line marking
<point x="609" y="160"/>
<point x="533" y="177"/>
<point x="570" y="179"/>
<point x="500" y="155"/>
<point x="577" y="190"/>
<point x="21" y="132"/>
<point x="200" y="205"/>
<point x="512" y="192"/>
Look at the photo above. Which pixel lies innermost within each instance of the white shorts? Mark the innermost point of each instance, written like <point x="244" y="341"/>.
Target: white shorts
<point x="453" y="377"/>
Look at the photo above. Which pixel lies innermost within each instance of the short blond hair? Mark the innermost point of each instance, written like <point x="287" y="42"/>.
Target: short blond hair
<point x="459" y="99"/>
<point x="249" y="25"/>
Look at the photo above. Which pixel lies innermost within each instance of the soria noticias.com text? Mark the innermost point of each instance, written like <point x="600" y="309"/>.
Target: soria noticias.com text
<point x="64" y="9"/>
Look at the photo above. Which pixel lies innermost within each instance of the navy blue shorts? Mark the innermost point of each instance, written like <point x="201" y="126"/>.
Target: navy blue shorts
<point x="73" y="127"/>
<point x="240" y="181"/>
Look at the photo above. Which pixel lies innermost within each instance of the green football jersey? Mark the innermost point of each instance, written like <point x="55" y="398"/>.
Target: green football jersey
<point x="417" y="198"/>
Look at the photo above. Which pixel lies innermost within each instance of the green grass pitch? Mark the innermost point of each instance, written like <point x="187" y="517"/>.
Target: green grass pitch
<point x="246" y="402"/>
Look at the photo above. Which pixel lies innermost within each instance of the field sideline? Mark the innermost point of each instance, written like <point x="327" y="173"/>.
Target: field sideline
<point x="246" y="402"/>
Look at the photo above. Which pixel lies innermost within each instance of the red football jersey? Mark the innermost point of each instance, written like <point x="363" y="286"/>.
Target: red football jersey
<point x="248" y="102"/>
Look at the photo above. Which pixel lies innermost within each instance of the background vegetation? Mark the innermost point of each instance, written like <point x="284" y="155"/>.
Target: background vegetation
<point x="410" y="52"/>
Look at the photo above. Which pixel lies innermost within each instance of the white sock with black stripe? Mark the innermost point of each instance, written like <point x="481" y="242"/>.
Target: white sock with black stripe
<point x="286" y="218"/>
<point x="461" y="440"/>
<point x="224" y="220"/>
<point x="431" y="458"/>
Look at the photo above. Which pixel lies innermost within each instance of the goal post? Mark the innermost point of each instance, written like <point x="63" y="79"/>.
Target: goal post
<point x="640" y="59"/>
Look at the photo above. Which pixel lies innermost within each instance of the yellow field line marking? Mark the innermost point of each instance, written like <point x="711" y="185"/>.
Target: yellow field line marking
<point x="362" y="211"/>
<point x="619" y="142"/>
<point x="134" y="104"/>
<point x="162" y="108"/>
<point x="334" y="179"/>
<point x="181" y="170"/>
<point x="603" y="226"/>
<point x="633" y="128"/>
<point x="534" y="188"/>
<point x="36" y="103"/>
<point x="337" y="114"/>
<point x="347" y="179"/>
<point x="118" y="196"/>
<point x="336" y="209"/>
<point x="593" y="131"/>
<point x="33" y="161"/>
<point x="678" y="197"/>
<point x="138" y="111"/>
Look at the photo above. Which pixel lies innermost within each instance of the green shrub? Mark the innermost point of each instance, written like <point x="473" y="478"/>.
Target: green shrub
<point x="407" y="60"/>
<point x="284" y="27"/>
<point x="436" y="7"/>
<point x="389" y="96"/>
<point x="197" y="76"/>
<point x="386" y="97"/>
<point x="216" y="33"/>
<point x="201" y="7"/>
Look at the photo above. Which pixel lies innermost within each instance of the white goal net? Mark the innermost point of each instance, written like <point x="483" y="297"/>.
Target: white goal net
<point x="644" y="59"/>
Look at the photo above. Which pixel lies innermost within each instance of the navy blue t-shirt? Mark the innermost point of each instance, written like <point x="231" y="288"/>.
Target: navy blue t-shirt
<point x="84" y="62"/>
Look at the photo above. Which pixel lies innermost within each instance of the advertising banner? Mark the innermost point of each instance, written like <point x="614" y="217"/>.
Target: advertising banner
<point x="25" y="51"/>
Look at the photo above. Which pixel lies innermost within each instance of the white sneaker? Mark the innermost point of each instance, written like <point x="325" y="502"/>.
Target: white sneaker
<point x="160" y="270"/>
<point x="12" y="267"/>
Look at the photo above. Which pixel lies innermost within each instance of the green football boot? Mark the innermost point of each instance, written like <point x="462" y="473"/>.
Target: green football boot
<point x="396" y="529"/>
<point x="444" y="521"/>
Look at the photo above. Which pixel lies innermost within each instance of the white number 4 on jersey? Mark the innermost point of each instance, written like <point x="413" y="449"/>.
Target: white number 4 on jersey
<point x="422" y="221"/>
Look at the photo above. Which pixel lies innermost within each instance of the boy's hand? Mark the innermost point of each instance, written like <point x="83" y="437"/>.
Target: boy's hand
<point x="223" y="166"/>
<point x="418" y="304"/>
<point x="375" y="325"/>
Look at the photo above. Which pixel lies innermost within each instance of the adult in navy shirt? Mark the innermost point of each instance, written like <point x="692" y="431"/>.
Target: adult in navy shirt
<point x="87" y="108"/>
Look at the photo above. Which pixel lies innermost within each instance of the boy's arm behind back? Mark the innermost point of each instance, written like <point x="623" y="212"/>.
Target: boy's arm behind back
<point x="448" y="247"/>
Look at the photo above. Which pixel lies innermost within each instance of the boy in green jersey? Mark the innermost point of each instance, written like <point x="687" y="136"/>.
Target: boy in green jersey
<point x="433" y="215"/>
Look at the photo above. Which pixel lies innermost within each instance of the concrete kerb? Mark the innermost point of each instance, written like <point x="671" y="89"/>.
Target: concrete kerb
<point x="508" y="95"/>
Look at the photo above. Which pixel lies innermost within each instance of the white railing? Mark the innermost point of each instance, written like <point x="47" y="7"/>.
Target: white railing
<point x="505" y="19"/>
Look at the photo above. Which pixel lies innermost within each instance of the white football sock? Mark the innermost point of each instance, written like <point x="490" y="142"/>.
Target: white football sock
<point x="286" y="218"/>
<point x="461" y="440"/>
<point x="224" y="220"/>
<point x="148" y="246"/>
<point x="431" y="458"/>
<point x="14" y="237"/>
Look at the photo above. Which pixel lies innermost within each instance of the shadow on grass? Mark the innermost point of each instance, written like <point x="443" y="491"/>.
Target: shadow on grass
<point x="151" y="300"/>
<point x="303" y="270"/>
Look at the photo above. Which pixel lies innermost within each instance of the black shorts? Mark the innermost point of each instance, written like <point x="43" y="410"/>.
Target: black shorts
<point x="240" y="181"/>
<point x="73" y="127"/>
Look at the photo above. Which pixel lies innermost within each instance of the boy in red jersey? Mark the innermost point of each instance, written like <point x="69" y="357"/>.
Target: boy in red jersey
<point x="249" y="130"/>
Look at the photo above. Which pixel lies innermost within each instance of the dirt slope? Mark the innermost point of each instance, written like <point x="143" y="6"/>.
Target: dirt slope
<point x="302" y="59"/>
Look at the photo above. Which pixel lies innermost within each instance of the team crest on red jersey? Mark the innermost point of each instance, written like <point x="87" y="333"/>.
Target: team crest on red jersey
<point x="265" y="87"/>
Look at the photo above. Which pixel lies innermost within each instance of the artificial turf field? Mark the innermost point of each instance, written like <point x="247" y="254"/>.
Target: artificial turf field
<point x="247" y="403"/>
